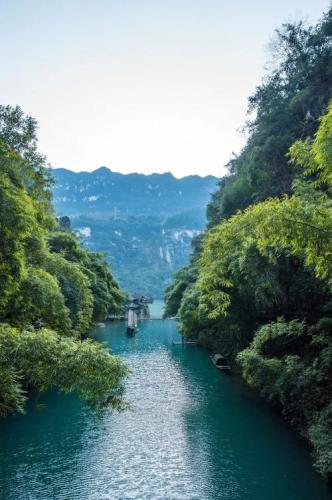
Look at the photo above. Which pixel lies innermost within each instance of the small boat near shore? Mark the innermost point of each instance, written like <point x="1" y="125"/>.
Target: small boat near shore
<point x="220" y="362"/>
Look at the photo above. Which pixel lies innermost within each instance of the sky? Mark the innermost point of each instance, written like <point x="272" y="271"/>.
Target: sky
<point x="139" y="85"/>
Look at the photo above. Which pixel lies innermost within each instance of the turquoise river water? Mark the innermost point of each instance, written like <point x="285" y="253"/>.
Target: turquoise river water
<point x="194" y="433"/>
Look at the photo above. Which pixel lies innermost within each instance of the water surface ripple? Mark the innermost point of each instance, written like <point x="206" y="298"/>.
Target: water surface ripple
<point x="194" y="433"/>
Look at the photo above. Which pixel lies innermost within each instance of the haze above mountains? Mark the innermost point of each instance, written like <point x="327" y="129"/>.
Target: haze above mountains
<point x="145" y="223"/>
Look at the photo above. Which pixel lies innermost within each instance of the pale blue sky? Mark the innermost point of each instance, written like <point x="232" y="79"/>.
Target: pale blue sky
<point x="139" y="85"/>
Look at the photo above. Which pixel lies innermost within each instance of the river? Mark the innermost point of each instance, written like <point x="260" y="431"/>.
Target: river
<point x="194" y="433"/>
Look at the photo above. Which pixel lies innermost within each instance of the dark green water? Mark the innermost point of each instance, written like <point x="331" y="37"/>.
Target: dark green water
<point x="195" y="434"/>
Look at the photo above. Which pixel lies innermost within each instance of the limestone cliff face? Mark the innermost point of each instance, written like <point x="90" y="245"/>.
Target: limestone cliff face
<point x="133" y="194"/>
<point x="144" y="223"/>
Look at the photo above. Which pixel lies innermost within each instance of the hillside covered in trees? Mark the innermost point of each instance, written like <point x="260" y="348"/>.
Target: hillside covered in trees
<point x="144" y="223"/>
<point x="258" y="287"/>
<point x="52" y="290"/>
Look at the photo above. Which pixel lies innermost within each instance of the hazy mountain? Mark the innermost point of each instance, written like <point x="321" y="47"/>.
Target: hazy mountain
<point x="134" y="194"/>
<point x="145" y="223"/>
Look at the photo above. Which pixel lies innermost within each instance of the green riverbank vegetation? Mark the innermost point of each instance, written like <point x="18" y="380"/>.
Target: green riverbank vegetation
<point x="52" y="290"/>
<point x="258" y="287"/>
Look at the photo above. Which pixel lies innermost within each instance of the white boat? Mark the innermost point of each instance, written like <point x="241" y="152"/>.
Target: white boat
<point x="220" y="362"/>
<point x="132" y="322"/>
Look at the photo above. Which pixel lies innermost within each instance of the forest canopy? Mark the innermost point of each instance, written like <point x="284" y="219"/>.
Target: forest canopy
<point x="52" y="290"/>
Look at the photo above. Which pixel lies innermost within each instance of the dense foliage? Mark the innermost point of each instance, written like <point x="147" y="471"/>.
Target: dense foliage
<point x="52" y="290"/>
<point x="260" y="286"/>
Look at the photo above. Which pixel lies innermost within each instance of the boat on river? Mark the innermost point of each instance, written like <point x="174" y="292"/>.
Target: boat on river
<point x="220" y="362"/>
<point x="132" y="322"/>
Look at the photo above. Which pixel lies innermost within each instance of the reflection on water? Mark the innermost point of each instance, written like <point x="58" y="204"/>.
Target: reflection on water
<point x="195" y="433"/>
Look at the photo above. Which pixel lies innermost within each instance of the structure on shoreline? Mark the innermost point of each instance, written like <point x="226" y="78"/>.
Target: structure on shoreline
<point x="138" y="305"/>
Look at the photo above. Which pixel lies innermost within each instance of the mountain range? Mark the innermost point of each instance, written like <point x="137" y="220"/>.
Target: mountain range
<point x="144" y="223"/>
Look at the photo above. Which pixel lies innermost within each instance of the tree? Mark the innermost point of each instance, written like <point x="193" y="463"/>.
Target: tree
<point x="51" y="289"/>
<point x="285" y="107"/>
<point x="43" y="360"/>
<point x="288" y="363"/>
<point x="262" y="292"/>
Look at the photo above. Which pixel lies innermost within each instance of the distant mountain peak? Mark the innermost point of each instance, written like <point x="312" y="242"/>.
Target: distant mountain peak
<point x="106" y="171"/>
<point x="101" y="170"/>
